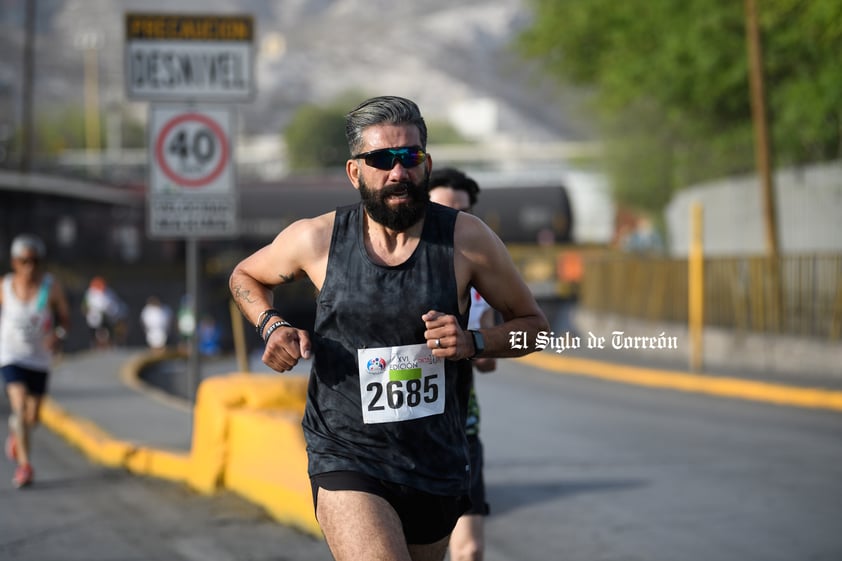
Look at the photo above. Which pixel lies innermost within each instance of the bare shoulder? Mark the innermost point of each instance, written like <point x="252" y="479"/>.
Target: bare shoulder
<point x="300" y="248"/>
<point x="473" y="235"/>
<point x="310" y="234"/>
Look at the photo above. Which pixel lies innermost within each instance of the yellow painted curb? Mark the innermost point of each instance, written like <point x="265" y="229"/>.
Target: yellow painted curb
<point x="102" y="448"/>
<point x="781" y="394"/>
<point x="95" y="443"/>
<point x="247" y="437"/>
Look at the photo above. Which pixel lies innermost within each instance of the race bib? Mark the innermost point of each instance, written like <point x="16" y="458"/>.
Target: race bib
<point x="400" y="383"/>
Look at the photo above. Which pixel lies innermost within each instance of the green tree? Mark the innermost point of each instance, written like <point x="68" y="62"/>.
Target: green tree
<point x="59" y="130"/>
<point x="442" y="132"/>
<point x="133" y="132"/>
<point x="670" y="80"/>
<point x="315" y="137"/>
<point x="63" y="128"/>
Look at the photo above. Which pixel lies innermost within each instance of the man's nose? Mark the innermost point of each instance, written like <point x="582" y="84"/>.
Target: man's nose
<point x="398" y="171"/>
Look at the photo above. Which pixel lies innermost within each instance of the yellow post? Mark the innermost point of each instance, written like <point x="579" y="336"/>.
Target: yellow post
<point x="836" y="316"/>
<point x="696" y="287"/>
<point x="239" y="337"/>
<point x="92" y="141"/>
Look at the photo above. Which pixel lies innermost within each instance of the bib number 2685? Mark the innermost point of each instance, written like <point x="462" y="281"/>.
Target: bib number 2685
<point x="398" y="392"/>
<point x="400" y="383"/>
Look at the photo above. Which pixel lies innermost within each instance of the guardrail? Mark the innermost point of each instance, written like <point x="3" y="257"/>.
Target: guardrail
<point x="793" y="295"/>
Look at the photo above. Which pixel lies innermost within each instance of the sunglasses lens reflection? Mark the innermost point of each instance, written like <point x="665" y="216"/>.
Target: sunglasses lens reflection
<point x="385" y="159"/>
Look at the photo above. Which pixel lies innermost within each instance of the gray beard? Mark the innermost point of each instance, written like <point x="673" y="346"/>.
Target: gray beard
<point x="406" y="215"/>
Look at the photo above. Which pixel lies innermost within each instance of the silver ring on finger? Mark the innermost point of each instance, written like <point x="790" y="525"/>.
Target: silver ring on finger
<point x="438" y="343"/>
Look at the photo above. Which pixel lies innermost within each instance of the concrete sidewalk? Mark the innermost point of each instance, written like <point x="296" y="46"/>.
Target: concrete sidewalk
<point x="93" y="386"/>
<point x="103" y="392"/>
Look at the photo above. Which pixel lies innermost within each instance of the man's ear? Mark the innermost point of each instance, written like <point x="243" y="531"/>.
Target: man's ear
<point x="352" y="168"/>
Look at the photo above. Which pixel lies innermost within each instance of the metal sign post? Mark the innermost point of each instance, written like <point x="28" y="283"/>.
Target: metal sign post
<point x="193" y="370"/>
<point x="190" y="58"/>
<point x="191" y="192"/>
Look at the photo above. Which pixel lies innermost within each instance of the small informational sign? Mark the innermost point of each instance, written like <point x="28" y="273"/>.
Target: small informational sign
<point x="191" y="178"/>
<point x="172" y="57"/>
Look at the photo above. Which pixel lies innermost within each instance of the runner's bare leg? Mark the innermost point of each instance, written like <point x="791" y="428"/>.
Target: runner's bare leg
<point x="467" y="539"/>
<point x="373" y="533"/>
<point x="17" y="402"/>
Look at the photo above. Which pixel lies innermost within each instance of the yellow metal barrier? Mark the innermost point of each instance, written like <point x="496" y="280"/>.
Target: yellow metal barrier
<point x="247" y="437"/>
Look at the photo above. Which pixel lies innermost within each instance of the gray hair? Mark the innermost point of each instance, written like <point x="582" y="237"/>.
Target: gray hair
<point x="28" y="242"/>
<point x="383" y="110"/>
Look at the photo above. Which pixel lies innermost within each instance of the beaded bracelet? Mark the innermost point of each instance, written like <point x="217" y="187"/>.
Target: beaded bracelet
<point x="265" y="315"/>
<point x="273" y="327"/>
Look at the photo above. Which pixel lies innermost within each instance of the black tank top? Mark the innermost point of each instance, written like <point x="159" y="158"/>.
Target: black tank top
<point x="363" y="305"/>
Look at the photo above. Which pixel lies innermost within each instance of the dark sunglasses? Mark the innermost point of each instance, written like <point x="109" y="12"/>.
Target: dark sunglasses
<point x="408" y="156"/>
<point x="28" y="260"/>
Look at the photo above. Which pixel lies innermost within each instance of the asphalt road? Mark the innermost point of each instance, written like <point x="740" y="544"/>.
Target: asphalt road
<point x="576" y="469"/>
<point x="78" y="511"/>
<point x="579" y="469"/>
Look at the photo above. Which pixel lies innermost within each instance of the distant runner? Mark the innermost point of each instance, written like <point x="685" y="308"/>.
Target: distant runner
<point x="34" y="319"/>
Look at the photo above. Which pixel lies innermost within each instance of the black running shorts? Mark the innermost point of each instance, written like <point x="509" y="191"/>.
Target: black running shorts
<point x="425" y="518"/>
<point x="35" y="381"/>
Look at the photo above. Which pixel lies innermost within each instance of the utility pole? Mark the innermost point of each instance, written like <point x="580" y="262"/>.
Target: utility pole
<point x="761" y="130"/>
<point x="27" y="91"/>
<point x="764" y="168"/>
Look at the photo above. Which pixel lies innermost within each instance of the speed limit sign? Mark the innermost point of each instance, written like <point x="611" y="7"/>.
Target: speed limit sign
<point x="191" y="150"/>
<point x="191" y="187"/>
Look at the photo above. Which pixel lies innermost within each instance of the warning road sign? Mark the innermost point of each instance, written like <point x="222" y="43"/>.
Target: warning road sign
<point x="191" y="178"/>
<point x="189" y="57"/>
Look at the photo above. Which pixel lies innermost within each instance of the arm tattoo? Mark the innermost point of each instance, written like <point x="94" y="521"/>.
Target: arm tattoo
<point x="241" y="294"/>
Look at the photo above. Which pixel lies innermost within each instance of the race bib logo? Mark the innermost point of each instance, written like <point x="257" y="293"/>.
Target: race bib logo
<point x="376" y="365"/>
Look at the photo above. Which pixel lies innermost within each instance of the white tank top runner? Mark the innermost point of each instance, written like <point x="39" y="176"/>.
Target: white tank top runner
<point x="24" y="326"/>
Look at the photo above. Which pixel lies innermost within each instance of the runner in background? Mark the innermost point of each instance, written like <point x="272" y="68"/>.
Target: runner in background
<point x="157" y="320"/>
<point x="34" y="319"/>
<point x="103" y="313"/>
<point x="451" y="187"/>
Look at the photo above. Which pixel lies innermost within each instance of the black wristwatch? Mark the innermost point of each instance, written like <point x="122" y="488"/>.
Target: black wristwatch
<point x="479" y="343"/>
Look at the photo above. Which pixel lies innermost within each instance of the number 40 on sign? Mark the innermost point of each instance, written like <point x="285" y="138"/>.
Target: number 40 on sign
<point x="191" y="150"/>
